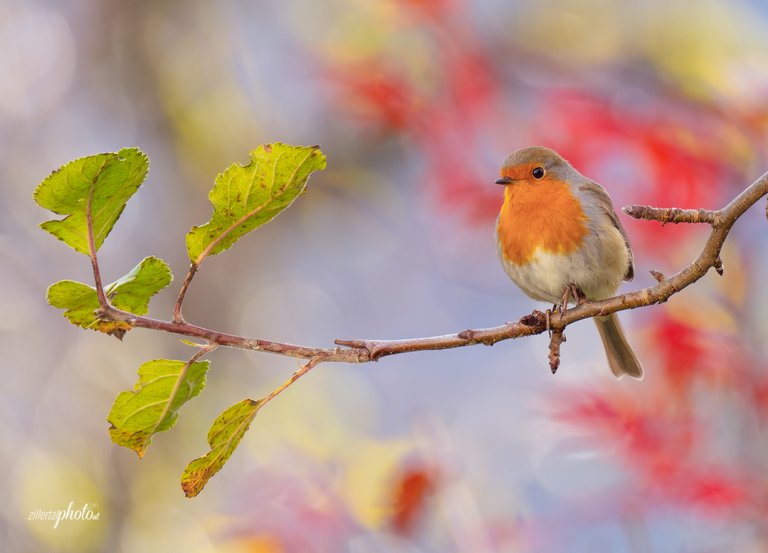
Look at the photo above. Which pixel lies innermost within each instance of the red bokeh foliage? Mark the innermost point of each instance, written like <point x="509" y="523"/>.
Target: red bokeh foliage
<point x="278" y="513"/>
<point x="412" y="490"/>
<point x="661" y="445"/>
<point x="656" y="431"/>
<point x="759" y="392"/>
<point x="377" y="95"/>
<point x="429" y="9"/>
<point x="670" y="151"/>
<point x="682" y="353"/>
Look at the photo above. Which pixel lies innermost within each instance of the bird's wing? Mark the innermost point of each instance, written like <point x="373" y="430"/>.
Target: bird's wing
<point x="603" y="200"/>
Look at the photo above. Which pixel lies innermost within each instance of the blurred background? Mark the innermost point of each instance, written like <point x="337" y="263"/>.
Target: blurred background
<point x="416" y="103"/>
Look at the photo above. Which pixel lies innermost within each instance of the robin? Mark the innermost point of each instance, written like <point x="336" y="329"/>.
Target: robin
<point x="558" y="236"/>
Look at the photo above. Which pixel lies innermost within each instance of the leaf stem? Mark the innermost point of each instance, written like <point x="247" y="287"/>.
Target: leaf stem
<point x="225" y="233"/>
<point x="177" y="318"/>
<point x="92" y="241"/>
<point x="204" y="350"/>
<point x="304" y="369"/>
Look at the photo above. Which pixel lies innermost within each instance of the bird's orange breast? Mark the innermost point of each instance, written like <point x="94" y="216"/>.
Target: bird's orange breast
<point x="539" y="215"/>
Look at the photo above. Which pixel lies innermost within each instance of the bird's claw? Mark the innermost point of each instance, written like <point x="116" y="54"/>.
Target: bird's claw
<point x="571" y="291"/>
<point x="548" y="319"/>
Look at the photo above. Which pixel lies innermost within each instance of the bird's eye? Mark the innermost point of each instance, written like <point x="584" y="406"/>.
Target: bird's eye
<point x="538" y="173"/>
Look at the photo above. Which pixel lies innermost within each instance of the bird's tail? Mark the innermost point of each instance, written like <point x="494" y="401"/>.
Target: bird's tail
<point x="621" y="358"/>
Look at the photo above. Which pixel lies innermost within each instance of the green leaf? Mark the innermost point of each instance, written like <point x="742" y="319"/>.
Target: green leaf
<point x="223" y="437"/>
<point x="153" y="404"/>
<point x="248" y="196"/>
<point x="80" y="304"/>
<point x="95" y="187"/>
<point x="131" y="293"/>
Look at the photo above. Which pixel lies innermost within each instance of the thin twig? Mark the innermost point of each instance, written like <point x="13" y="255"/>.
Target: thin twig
<point x="671" y="214"/>
<point x="362" y="351"/>
<point x="92" y="242"/>
<point x="304" y="369"/>
<point x="177" y="318"/>
<point x="555" y="341"/>
<point x="718" y="265"/>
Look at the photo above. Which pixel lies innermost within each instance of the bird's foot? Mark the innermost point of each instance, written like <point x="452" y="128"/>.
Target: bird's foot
<point x="548" y="319"/>
<point x="571" y="290"/>
<point x="578" y="295"/>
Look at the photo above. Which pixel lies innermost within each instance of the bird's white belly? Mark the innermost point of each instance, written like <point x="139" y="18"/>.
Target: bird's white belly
<point x="546" y="276"/>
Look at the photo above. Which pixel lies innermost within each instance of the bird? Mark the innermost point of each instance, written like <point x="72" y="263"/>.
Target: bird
<point x="558" y="235"/>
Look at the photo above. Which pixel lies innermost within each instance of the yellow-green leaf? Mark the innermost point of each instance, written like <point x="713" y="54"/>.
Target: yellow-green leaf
<point x="248" y="196"/>
<point x="80" y="303"/>
<point x="153" y="404"/>
<point x="223" y="437"/>
<point x="131" y="293"/>
<point x="96" y="187"/>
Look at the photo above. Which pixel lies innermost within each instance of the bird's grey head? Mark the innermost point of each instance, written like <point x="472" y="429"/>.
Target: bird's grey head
<point x="535" y="163"/>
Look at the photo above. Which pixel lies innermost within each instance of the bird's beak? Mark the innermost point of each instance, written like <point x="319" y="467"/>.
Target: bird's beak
<point x="504" y="180"/>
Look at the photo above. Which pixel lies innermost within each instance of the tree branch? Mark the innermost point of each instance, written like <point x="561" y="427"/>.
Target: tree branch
<point x="362" y="351"/>
<point x="671" y="214"/>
